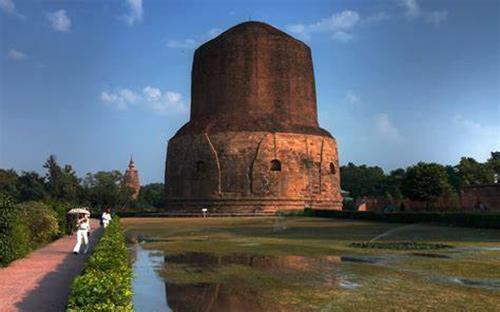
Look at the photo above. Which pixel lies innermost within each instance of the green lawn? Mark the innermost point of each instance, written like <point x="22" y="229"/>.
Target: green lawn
<point x="296" y="263"/>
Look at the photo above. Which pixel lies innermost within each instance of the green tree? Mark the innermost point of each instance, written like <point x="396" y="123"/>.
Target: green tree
<point x="453" y="177"/>
<point x="70" y="186"/>
<point x="425" y="182"/>
<point x="152" y="194"/>
<point x="474" y="172"/>
<point x="54" y="174"/>
<point x="106" y="189"/>
<point x="31" y="186"/>
<point x="394" y="181"/>
<point x="363" y="181"/>
<point x="8" y="183"/>
<point x="493" y="164"/>
<point x="62" y="183"/>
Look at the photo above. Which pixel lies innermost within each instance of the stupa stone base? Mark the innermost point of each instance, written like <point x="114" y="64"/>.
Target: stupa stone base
<point x="233" y="172"/>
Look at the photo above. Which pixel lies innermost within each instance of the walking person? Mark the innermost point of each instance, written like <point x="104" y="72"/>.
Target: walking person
<point x="82" y="234"/>
<point x="106" y="217"/>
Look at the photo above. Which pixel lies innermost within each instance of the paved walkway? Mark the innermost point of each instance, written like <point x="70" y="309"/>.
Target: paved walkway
<point x="41" y="281"/>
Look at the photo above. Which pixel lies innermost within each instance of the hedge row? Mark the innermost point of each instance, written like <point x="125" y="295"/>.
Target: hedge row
<point x="25" y="227"/>
<point x="14" y="234"/>
<point x="476" y="220"/>
<point x="106" y="282"/>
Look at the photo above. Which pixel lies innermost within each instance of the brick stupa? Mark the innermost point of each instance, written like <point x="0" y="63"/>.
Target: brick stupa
<point x="132" y="179"/>
<point x="253" y="143"/>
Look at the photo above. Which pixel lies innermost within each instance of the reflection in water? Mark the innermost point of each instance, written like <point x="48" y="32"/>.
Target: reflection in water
<point x="230" y="282"/>
<point x="230" y="296"/>
<point x="149" y="289"/>
<point x="260" y="262"/>
<point x="236" y="294"/>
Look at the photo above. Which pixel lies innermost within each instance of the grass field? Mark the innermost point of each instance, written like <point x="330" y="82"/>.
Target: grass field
<point x="294" y="263"/>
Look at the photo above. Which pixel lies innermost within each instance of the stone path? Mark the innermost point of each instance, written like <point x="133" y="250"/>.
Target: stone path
<point x="41" y="281"/>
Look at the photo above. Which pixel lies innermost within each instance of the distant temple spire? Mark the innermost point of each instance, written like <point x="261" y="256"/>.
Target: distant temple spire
<point x="132" y="178"/>
<point x="131" y="163"/>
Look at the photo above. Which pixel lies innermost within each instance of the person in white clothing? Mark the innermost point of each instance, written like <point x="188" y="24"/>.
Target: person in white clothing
<point x="106" y="217"/>
<point x="82" y="234"/>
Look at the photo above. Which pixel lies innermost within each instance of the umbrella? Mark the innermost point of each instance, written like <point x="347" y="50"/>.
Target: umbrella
<point x="79" y="211"/>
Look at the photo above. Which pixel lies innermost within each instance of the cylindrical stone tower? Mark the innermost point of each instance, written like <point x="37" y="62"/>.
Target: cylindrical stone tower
<point x="253" y="143"/>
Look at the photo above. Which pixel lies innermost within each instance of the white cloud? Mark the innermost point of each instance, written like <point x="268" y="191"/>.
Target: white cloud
<point x="128" y="95"/>
<point x="338" y="25"/>
<point x="16" y="55"/>
<point x="171" y="102"/>
<point x="342" y="36"/>
<point x="173" y="96"/>
<point x="182" y="44"/>
<point x="113" y="99"/>
<point x="120" y="99"/>
<point x="338" y="21"/>
<point x="9" y="8"/>
<point x="152" y="94"/>
<point x="385" y="129"/>
<point x="411" y="6"/>
<point x="59" y="21"/>
<point x="299" y="30"/>
<point x="343" y="20"/>
<point x="414" y="11"/>
<point x="352" y="97"/>
<point x="152" y="98"/>
<point x="135" y="12"/>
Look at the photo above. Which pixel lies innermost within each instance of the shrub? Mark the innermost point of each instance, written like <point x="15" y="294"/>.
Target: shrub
<point x="20" y="237"/>
<point x="106" y="283"/>
<point x="61" y="209"/>
<point x="14" y="233"/>
<point x="41" y="221"/>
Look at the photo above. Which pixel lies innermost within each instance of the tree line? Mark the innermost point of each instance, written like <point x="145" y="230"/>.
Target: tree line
<point x="61" y="183"/>
<point x="425" y="182"/>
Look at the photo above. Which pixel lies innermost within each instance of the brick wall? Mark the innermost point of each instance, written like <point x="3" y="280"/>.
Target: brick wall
<point x="232" y="171"/>
<point x="252" y="101"/>
<point x="472" y="196"/>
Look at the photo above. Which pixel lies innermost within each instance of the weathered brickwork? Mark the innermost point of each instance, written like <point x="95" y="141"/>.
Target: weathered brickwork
<point x="481" y="196"/>
<point x="253" y="143"/>
<point x="234" y="169"/>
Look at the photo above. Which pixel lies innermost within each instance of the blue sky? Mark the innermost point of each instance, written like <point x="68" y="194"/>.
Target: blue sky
<point x="398" y="81"/>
